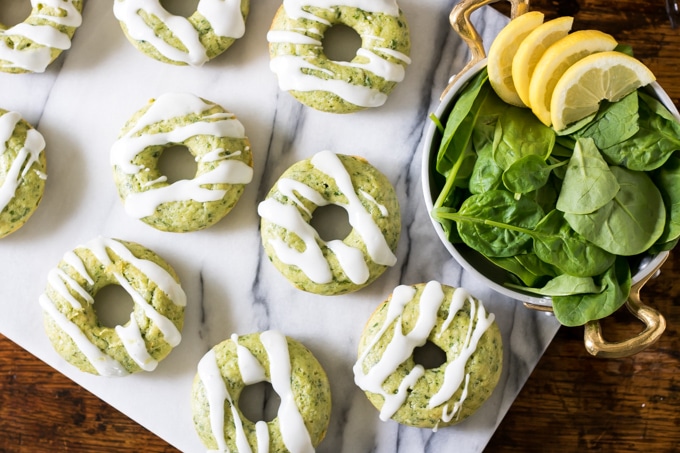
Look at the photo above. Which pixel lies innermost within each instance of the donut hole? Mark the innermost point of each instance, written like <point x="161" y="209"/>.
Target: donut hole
<point x="113" y="306"/>
<point x="331" y="222"/>
<point x="14" y="12"/>
<point x="429" y="356"/>
<point x="177" y="163"/>
<point x="184" y="8"/>
<point x="259" y="402"/>
<point x="340" y="43"/>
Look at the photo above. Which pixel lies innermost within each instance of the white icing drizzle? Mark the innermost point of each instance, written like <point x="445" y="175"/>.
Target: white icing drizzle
<point x="135" y="346"/>
<point x="295" y="8"/>
<point x="224" y="17"/>
<point x="288" y="69"/>
<point x="77" y="264"/>
<point x="177" y="105"/>
<point x="292" y="37"/>
<point x="402" y="346"/>
<point x="216" y="393"/>
<point x="36" y="58"/>
<point x="251" y="370"/>
<point x="102" y="363"/>
<point x="61" y="282"/>
<point x="311" y="260"/>
<point x="218" y="154"/>
<point x="293" y="431"/>
<point x="34" y="144"/>
<point x="292" y="70"/>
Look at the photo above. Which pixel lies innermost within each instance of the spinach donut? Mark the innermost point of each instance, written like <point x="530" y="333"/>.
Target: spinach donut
<point x="207" y="33"/>
<point x="303" y="69"/>
<point x="216" y="139"/>
<point x="409" y="393"/>
<point x="336" y="266"/>
<point x="33" y="44"/>
<point x="22" y="171"/>
<point x="71" y="322"/>
<point x="295" y="375"/>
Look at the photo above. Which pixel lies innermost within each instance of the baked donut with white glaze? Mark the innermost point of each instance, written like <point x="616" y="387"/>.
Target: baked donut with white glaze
<point x="295" y="247"/>
<point x="216" y="139"/>
<point x="22" y="171"/>
<point x="169" y="38"/>
<point x="71" y="322"/>
<point x="295" y="375"/>
<point x="409" y="393"/>
<point x="298" y="58"/>
<point x="33" y="44"/>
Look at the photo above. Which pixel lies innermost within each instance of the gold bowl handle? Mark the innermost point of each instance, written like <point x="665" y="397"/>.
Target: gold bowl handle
<point x="460" y="21"/>
<point x="655" y="324"/>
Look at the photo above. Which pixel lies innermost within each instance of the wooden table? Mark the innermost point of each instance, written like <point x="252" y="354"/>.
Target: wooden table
<point x="571" y="402"/>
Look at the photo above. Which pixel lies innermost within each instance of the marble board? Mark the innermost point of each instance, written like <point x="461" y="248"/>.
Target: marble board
<point x="79" y="105"/>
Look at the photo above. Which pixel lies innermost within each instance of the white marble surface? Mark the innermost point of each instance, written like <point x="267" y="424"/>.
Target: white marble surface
<point x="80" y="104"/>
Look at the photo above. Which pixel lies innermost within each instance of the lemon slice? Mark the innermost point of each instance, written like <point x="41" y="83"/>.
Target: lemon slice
<point x="532" y="48"/>
<point x="604" y="75"/>
<point x="502" y="50"/>
<point x="556" y="59"/>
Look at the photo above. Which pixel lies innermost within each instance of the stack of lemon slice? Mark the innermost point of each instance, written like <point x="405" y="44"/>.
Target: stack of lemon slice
<point x="561" y="76"/>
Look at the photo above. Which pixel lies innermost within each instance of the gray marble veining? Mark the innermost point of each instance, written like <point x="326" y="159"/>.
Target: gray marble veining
<point x="81" y="103"/>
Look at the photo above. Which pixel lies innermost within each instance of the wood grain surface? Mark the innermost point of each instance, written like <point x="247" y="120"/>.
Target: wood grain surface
<point x="572" y="401"/>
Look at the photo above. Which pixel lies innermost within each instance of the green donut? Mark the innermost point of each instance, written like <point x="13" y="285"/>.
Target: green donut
<point x="295" y="375"/>
<point x="31" y="46"/>
<point x="411" y="394"/>
<point x="216" y="139"/>
<point x="22" y="171"/>
<point x="168" y="38"/>
<point x="303" y="69"/>
<point x="294" y="246"/>
<point x="71" y="322"/>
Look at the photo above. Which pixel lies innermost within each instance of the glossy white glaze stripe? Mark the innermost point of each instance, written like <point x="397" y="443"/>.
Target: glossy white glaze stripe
<point x="60" y="282"/>
<point x="294" y="8"/>
<point x="143" y="204"/>
<point x="458" y="299"/>
<point x="360" y="219"/>
<point x="224" y="16"/>
<point x="166" y="107"/>
<point x="288" y="187"/>
<point x="135" y="346"/>
<point x="447" y="415"/>
<point x="102" y="363"/>
<point x="251" y="369"/>
<point x="217" y="154"/>
<point x="216" y="393"/>
<point x="76" y="263"/>
<point x="293" y="431"/>
<point x="153" y="271"/>
<point x="29" y="154"/>
<point x="36" y="58"/>
<point x="394" y="53"/>
<point x="292" y="37"/>
<point x="382" y="208"/>
<point x="288" y="69"/>
<point x="454" y="373"/>
<point x="262" y="435"/>
<point x="392" y="72"/>
<point x="401" y="346"/>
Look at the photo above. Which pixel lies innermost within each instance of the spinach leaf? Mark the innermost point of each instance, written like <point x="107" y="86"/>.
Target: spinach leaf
<point x="667" y="180"/>
<point x="631" y="222"/>
<point x="557" y="244"/>
<point x="614" y="123"/>
<point x="576" y="310"/>
<point x="486" y="175"/>
<point x="564" y="285"/>
<point x="519" y="133"/>
<point x="657" y="138"/>
<point x="527" y="268"/>
<point x="495" y="223"/>
<point x="460" y="122"/>
<point x="528" y="173"/>
<point x="588" y="183"/>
